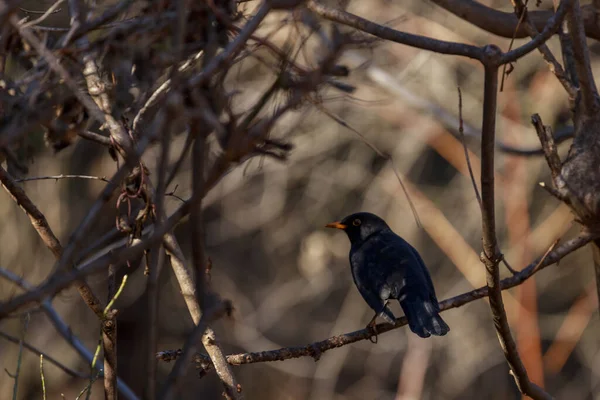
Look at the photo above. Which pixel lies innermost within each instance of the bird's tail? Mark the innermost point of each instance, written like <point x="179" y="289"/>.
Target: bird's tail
<point x="424" y="318"/>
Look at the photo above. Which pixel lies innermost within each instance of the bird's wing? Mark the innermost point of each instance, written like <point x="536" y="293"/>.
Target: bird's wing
<point x="428" y="280"/>
<point x="364" y="272"/>
<point x="403" y="267"/>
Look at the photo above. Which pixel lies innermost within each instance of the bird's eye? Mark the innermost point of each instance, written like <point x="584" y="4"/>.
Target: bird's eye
<point x="356" y="222"/>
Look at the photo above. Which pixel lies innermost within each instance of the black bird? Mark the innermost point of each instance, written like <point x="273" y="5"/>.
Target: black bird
<point x="385" y="266"/>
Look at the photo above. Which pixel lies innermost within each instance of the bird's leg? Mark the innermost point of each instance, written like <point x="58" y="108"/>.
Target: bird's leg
<point x="372" y="328"/>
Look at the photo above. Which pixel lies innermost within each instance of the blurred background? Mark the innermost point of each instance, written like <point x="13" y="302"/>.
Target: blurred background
<point x="288" y="276"/>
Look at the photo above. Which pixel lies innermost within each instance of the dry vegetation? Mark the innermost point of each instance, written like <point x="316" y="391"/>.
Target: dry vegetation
<point x="155" y="139"/>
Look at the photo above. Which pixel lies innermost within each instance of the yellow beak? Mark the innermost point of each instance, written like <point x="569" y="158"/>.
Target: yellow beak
<point x="336" y="225"/>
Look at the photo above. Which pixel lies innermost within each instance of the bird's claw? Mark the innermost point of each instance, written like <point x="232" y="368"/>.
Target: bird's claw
<point x="372" y="328"/>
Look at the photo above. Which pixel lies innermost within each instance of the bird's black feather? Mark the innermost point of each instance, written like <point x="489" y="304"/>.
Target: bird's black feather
<point x="385" y="267"/>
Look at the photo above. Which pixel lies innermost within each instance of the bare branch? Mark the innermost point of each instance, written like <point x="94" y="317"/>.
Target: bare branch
<point x="218" y="310"/>
<point x="45" y="15"/>
<point x="383" y="32"/>
<point x="65" y="331"/>
<point x="62" y="176"/>
<point x="182" y="273"/>
<point x="491" y="256"/>
<point x="233" y="48"/>
<point x="548" y="146"/>
<point x="38" y="220"/>
<point x="40" y="224"/>
<point x="38" y="352"/>
<point x="466" y="150"/>
<point x="117" y="131"/>
<point x="587" y="86"/>
<point x="553" y="64"/>
<point x="596" y="260"/>
<point x="551" y="27"/>
<point x="504" y="23"/>
<point x="559" y="137"/>
<point x="197" y="230"/>
<point x="109" y="338"/>
<point x="95" y="137"/>
<point x="316" y="349"/>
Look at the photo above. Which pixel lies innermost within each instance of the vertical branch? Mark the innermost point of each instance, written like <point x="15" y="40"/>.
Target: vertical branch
<point x="202" y="302"/>
<point x="65" y="331"/>
<point x="42" y="377"/>
<point x="197" y="231"/>
<point x="587" y="86"/>
<point x="555" y="67"/>
<point x="183" y="276"/>
<point x="596" y="258"/>
<point x="25" y="324"/>
<point x="155" y="265"/>
<point x="157" y="257"/>
<point x="109" y="340"/>
<point x="491" y="257"/>
<point x="109" y="335"/>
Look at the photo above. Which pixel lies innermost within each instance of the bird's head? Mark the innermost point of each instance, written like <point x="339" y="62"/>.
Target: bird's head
<point x="360" y="226"/>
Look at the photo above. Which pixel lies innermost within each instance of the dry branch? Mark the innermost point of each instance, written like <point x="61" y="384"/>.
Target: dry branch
<point x="383" y="32"/>
<point x="491" y="256"/>
<point x="587" y="86"/>
<point x="65" y="331"/>
<point x="554" y="65"/>
<point x="505" y="24"/>
<point x="316" y="349"/>
<point x="40" y="224"/>
<point x="38" y="352"/>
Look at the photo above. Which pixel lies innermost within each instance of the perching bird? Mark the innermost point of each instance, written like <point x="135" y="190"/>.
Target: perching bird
<point x="384" y="267"/>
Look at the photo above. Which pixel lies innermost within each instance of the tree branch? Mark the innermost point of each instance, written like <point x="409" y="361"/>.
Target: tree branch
<point x="491" y="256"/>
<point x="581" y="53"/>
<point x="38" y="352"/>
<point x="548" y="146"/>
<point x="316" y="349"/>
<point x="40" y="224"/>
<point x="383" y="32"/>
<point x="554" y="65"/>
<point x="65" y="331"/>
<point x="505" y="23"/>
<point x="552" y="26"/>
<point x="218" y="310"/>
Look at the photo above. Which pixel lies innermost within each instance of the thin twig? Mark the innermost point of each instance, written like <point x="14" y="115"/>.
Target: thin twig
<point x="42" y="377"/>
<point x="65" y="331"/>
<point x="95" y="137"/>
<point x="384" y="32"/>
<point x="63" y="176"/>
<point x="512" y="41"/>
<point x="109" y="336"/>
<point x="197" y="231"/>
<point x="116" y="129"/>
<point x="24" y="325"/>
<point x="548" y="146"/>
<point x="45" y="15"/>
<point x="464" y="143"/>
<point x="39" y="353"/>
<point x="40" y="224"/>
<point x="552" y="26"/>
<point x="156" y="257"/>
<point x="552" y="62"/>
